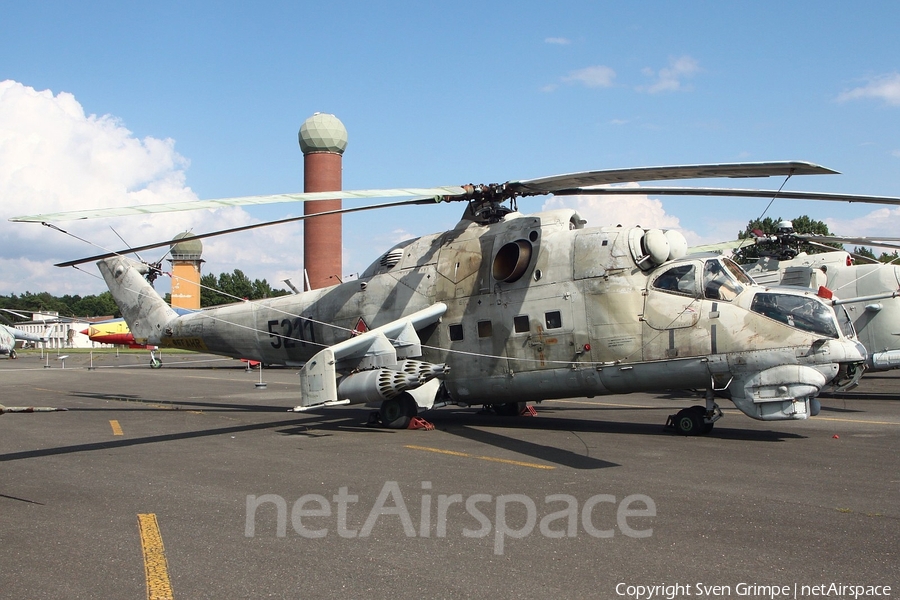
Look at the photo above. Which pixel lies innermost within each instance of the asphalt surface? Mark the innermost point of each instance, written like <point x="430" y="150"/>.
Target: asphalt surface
<point x="481" y="507"/>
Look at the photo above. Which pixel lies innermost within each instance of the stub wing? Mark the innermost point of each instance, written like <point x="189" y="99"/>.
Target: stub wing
<point x="381" y="357"/>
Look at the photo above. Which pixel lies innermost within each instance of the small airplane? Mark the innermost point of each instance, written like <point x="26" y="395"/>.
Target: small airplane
<point x="117" y="333"/>
<point x="869" y="292"/>
<point x="10" y="336"/>
<point x="507" y="308"/>
<point x="112" y="331"/>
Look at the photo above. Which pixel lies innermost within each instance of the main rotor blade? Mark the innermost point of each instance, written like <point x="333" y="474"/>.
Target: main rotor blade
<point x="72" y="263"/>
<point x="735" y="192"/>
<point x="436" y="193"/>
<point x="730" y="245"/>
<point x="561" y="184"/>
<point x="860" y="241"/>
<point x="529" y="187"/>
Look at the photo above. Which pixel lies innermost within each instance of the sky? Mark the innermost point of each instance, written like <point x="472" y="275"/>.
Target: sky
<point x="114" y="104"/>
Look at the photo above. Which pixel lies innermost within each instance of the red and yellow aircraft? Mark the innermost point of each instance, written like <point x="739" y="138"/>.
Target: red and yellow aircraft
<point x="114" y="331"/>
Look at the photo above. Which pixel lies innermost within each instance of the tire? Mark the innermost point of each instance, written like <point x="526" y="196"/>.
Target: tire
<point x="510" y="409"/>
<point x="155" y="363"/>
<point x="688" y="421"/>
<point x="13" y="355"/>
<point x="397" y="412"/>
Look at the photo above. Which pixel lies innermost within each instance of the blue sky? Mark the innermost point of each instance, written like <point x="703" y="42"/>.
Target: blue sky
<point x="113" y="103"/>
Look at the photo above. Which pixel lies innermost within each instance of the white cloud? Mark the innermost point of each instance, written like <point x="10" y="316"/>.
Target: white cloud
<point x="876" y="223"/>
<point x="561" y="41"/>
<point x="671" y="78"/>
<point x="883" y="87"/>
<point x="593" y="77"/>
<point x="54" y="157"/>
<point x="625" y="210"/>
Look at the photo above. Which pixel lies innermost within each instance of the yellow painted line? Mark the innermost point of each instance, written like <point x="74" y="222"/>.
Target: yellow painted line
<point x="507" y="461"/>
<point x="117" y="429"/>
<point x="156" y="567"/>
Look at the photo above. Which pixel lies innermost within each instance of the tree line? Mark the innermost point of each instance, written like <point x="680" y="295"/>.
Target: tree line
<point x="234" y="287"/>
<point x="226" y="288"/>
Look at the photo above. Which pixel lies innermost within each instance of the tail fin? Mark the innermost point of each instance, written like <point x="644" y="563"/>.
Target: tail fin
<point x="143" y="309"/>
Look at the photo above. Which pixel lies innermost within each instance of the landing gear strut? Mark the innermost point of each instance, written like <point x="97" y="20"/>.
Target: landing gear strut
<point x="696" y="420"/>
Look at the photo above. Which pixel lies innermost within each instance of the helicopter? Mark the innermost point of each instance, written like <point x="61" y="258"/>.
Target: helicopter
<point x="507" y="308"/>
<point x="869" y="290"/>
<point x="10" y="336"/>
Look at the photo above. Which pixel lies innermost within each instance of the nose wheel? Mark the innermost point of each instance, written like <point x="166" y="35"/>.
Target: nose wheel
<point x="696" y="420"/>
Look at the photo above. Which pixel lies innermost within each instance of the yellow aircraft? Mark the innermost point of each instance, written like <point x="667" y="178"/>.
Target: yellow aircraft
<point x="114" y="331"/>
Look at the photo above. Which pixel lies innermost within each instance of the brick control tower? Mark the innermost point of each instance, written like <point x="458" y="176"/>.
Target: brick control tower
<point x="323" y="139"/>
<point x="186" y="272"/>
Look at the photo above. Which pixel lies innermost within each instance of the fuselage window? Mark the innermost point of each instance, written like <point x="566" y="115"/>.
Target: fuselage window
<point x="553" y="319"/>
<point x="485" y="329"/>
<point x="678" y="280"/>
<point x="521" y="324"/>
<point x="456" y="332"/>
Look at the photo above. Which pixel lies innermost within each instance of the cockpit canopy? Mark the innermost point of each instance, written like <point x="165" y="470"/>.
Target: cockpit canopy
<point x="806" y="313"/>
<point x="721" y="279"/>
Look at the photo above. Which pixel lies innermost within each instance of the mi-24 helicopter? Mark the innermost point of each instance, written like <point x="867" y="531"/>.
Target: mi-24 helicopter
<point x="507" y="308"/>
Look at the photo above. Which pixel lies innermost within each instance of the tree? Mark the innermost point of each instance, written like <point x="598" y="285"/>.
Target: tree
<point x="209" y="294"/>
<point x="262" y="289"/>
<point x="236" y="285"/>
<point x="233" y="287"/>
<point x="69" y="306"/>
<point x="863" y="251"/>
<point x="96" y="306"/>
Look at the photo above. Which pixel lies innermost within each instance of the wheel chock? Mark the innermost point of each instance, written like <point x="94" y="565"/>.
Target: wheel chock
<point x="420" y="423"/>
<point x="528" y="411"/>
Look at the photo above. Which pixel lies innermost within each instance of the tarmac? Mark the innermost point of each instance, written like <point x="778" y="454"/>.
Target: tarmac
<point x="193" y="481"/>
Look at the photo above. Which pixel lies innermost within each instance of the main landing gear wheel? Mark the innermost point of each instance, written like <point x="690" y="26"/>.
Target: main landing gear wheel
<point x="691" y="421"/>
<point x="509" y="409"/>
<point x="397" y="412"/>
<point x="13" y="355"/>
